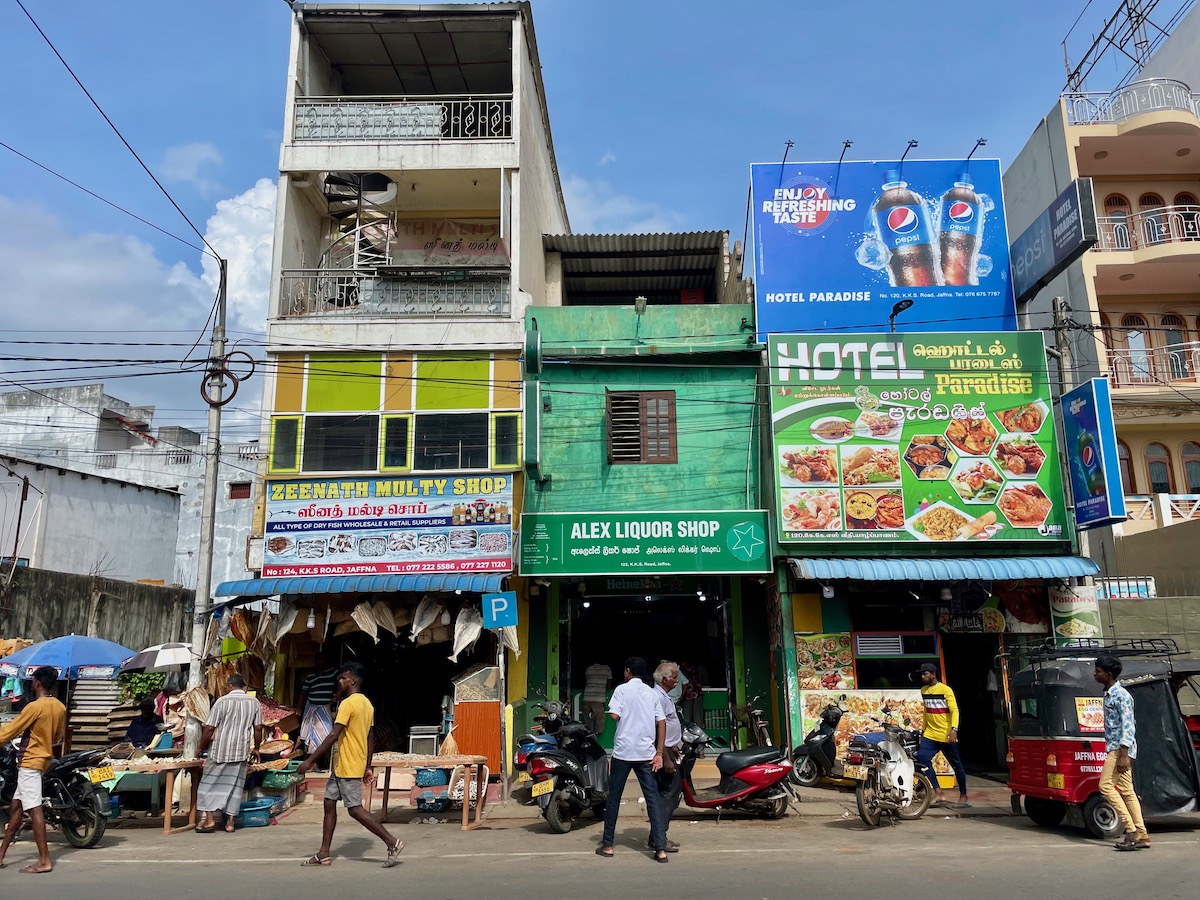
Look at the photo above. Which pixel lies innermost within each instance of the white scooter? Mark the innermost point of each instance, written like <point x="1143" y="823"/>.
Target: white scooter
<point x="888" y="783"/>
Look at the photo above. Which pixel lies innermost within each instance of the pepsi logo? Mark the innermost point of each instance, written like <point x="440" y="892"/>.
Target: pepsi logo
<point x="1088" y="456"/>
<point x="902" y="220"/>
<point x="810" y="193"/>
<point x="961" y="212"/>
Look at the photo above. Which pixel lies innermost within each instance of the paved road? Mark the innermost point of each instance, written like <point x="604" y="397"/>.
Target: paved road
<point x="1001" y="858"/>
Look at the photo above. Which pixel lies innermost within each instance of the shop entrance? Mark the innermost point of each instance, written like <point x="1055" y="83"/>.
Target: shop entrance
<point x="973" y="673"/>
<point x="682" y="628"/>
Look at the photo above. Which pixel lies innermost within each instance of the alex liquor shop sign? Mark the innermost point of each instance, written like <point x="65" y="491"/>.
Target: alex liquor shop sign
<point x="679" y="543"/>
<point x="881" y="439"/>
<point x="374" y="525"/>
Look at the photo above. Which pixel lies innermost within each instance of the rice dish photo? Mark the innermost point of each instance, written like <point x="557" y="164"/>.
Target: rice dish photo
<point x="941" y="523"/>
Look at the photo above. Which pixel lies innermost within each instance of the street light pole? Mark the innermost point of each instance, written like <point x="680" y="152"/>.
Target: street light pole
<point x="215" y="385"/>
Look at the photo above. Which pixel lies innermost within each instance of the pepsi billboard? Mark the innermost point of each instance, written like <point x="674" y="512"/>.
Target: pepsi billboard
<point x="1090" y="436"/>
<point x="838" y="245"/>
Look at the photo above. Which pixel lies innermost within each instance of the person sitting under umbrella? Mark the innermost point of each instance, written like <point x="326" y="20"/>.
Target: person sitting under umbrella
<point x="143" y="731"/>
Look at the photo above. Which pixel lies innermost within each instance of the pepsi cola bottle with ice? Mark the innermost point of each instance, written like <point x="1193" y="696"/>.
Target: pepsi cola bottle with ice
<point x="961" y="231"/>
<point x="903" y="223"/>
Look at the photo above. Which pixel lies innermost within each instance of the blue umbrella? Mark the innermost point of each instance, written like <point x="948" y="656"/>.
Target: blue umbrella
<point x="74" y="656"/>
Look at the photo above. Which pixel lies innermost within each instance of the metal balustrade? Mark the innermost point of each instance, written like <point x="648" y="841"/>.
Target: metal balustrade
<point x="1155" y="365"/>
<point x="434" y="118"/>
<point x="1149" y="228"/>
<point x="1150" y="95"/>
<point x="344" y="292"/>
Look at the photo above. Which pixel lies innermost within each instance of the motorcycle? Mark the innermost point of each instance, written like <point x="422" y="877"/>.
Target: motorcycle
<point x="882" y="764"/>
<point x="755" y="780"/>
<point x="815" y="761"/>
<point x="569" y="778"/>
<point x="74" y="802"/>
<point x="540" y="736"/>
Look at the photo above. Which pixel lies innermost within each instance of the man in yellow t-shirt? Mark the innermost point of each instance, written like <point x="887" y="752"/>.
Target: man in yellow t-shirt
<point x="351" y="766"/>
<point x="41" y="725"/>
<point x="940" y="734"/>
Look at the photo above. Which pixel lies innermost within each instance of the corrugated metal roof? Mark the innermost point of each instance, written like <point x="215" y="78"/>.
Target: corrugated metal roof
<point x="1005" y="568"/>
<point x="359" y="584"/>
<point x="716" y="241"/>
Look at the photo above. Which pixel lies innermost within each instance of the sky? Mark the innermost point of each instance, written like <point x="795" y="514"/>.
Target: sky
<point x="657" y="109"/>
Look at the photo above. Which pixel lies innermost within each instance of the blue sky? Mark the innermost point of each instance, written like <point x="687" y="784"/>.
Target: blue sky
<point x="657" y="109"/>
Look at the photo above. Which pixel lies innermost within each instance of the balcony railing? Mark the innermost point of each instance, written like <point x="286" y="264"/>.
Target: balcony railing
<point x="465" y="294"/>
<point x="486" y="117"/>
<point x="1155" y="365"/>
<point x="1149" y="228"/>
<point x="1152" y="95"/>
<point x="1162" y="509"/>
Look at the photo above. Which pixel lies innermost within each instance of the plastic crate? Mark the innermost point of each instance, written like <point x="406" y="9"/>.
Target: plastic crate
<point x="255" y="813"/>
<point x="282" y="778"/>
<point x="430" y="777"/>
<point x="427" y="801"/>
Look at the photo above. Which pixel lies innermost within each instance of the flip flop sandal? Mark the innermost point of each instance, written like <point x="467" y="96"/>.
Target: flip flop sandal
<point x="34" y="870"/>
<point x="393" y="855"/>
<point x="606" y="852"/>
<point x="662" y="858"/>
<point x="202" y="829"/>
<point x="315" y="860"/>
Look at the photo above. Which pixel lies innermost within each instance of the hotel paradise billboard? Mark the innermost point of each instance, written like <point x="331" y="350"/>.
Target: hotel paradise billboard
<point x="914" y="438"/>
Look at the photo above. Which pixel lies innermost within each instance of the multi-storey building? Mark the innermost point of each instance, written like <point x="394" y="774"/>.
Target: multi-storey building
<point x="417" y="177"/>
<point x="1134" y="299"/>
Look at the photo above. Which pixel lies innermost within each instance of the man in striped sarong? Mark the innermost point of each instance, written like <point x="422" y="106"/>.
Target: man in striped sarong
<point x="233" y="730"/>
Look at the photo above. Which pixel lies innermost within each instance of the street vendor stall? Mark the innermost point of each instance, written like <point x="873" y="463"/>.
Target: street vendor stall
<point x="474" y="774"/>
<point x="171" y="768"/>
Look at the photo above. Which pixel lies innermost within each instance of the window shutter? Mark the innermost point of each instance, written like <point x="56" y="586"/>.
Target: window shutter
<point x="624" y="427"/>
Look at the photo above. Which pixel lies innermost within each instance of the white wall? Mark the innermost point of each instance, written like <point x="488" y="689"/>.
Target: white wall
<point x="1179" y="55"/>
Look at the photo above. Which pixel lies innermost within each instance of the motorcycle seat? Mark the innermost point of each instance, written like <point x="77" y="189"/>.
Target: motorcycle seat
<point x="734" y="761"/>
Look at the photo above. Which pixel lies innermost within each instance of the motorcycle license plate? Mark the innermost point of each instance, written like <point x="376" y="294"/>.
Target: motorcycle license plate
<point x="524" y="776"/>
<point x="543" y="787"/>
<point x="103" y="773"/>
<point x="856" y="773"/>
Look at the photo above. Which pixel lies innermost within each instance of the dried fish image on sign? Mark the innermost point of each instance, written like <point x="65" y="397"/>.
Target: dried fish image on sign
<point x="467" y="628"/>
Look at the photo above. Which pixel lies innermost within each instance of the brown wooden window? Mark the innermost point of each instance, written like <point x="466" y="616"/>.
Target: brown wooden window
<point x="239" y="490"/>
<point x="641" y="427"/>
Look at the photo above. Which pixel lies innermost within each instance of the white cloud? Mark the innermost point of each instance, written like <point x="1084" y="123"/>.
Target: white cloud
<point x="184" y="163"/>
<point x="241" y="231"/>
<point x="608" y="157"/>
<point x="595" y="207"/>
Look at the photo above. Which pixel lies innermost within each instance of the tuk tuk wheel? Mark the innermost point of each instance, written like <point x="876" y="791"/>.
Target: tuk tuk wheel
<point x="1100" y="818"/>
<point x="1046" y="813"/>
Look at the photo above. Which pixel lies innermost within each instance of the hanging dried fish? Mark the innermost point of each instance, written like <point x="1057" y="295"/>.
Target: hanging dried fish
<point x="508" y="637"/>
<point x="467" y="628"/>
<point x="287" y="618"/>
<point x="383" y="615"/>
<point x="364" y="616"/>
<point x="428" y="611"/>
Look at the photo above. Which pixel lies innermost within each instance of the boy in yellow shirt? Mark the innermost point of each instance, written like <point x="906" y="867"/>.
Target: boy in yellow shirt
<point x="940" y="734"/>
<point x="351" y="766"/>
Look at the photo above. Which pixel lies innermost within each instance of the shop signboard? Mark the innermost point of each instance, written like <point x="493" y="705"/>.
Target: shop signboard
<point x="1064" y="231"/>
<point x="1091" y="442"/>
<point x="361" y="525"/>
<point x="883" y="439"/>
<point x="837" y="246"/>
<point x="636" y="543"/>
<point x="1013" y="607"/>
<point x="1075" y="615"/>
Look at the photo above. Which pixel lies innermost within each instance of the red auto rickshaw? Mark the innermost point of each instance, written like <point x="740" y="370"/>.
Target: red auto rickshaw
<point x="1056" y="732"/>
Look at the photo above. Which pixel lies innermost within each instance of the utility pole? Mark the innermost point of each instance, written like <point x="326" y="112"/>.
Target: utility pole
<point x="214" y="384"/>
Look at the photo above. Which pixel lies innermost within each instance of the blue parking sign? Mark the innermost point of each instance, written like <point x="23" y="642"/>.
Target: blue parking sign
<point x="500" y="610"/>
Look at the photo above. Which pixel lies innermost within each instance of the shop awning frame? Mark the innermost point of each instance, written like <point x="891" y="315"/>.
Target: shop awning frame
<point x="360" y="584"/>
<point x="1004" y="568"/>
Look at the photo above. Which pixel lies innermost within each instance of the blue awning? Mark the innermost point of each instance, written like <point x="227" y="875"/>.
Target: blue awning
<point x="1004" y="568"/>
<point x="359" y="584"/>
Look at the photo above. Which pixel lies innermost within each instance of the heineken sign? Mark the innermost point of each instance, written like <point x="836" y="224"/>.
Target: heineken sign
<point x="699" y="543"/>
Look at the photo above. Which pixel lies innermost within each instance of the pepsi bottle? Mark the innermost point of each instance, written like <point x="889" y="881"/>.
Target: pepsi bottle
<point x="903" y="223"/>
<point x="961" y="231"/>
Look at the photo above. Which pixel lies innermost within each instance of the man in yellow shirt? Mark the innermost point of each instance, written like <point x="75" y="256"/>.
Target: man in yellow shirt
<point x="940" y="734"/>
<point x="351" y="766"/>
<point x="41" y="725"/>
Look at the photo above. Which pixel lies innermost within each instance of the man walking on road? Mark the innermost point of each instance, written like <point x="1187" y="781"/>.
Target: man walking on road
<point x="233" y="730"/>
<point x="351" y="767"/>
<point x="637" y="748"/>
<point x="670" y="783"/>
<point x="40" y="725"/>
<point x="940" y="734"/>
<point x="1120" y="742"/>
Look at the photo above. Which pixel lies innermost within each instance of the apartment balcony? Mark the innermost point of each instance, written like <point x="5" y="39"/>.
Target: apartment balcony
<point x="395" y="293"/>
<point x="1152" y="251"/>
<point x="1160" y="368"/>
<point x="1146" y="511"/>
<point x="386" y="119"/>
<point x="1154" y="95"/>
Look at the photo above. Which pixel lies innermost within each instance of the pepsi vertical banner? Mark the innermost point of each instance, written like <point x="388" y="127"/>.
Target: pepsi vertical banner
<point x="1091" y="442"/>
<point x="838" y="245"/>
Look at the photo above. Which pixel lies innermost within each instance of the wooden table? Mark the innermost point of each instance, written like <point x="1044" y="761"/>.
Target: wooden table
<point x="170" y="768"/>
<point x="473" y="770"/>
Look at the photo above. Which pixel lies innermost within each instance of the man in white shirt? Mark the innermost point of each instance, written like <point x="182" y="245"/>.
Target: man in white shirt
<point x="670" y="784"/>
<point x="637" y="748"/>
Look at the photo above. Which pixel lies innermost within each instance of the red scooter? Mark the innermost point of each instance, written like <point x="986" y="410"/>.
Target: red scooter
<point x="755" y="780"/>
